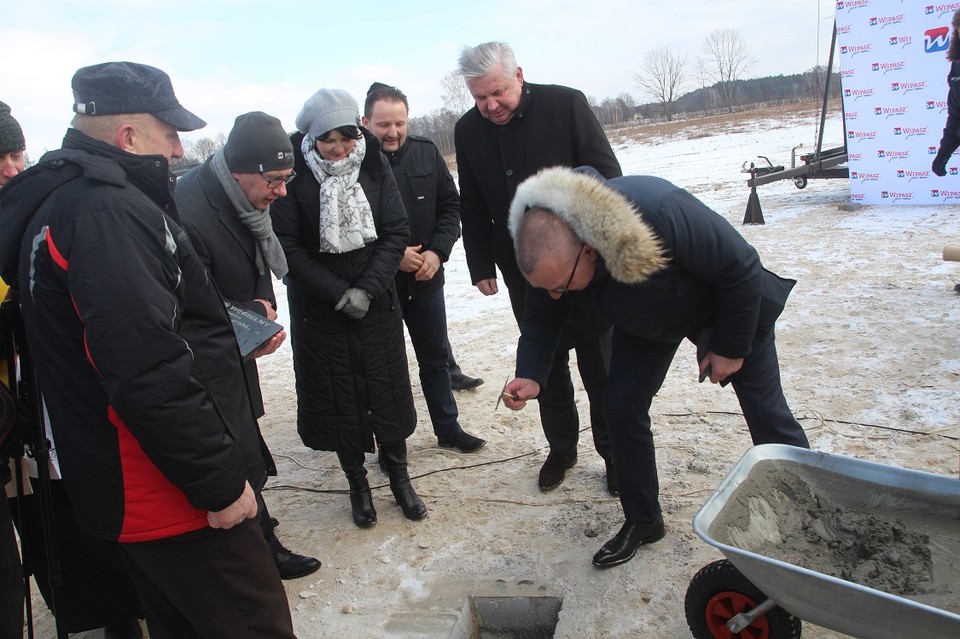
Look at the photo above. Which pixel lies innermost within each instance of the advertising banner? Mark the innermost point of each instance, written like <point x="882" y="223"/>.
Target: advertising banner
<point x="893" y="71"/>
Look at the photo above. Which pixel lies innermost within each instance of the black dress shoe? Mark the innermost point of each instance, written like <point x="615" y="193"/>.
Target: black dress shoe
<point x="127" y="629"/>
<point x="463" y="441"/>
<point x="625" y="543"/>
<point x="291" y="565"/>
<point x="555" y="469"/>
<point x="613" y="485"/>
<point x="459" y="381"/>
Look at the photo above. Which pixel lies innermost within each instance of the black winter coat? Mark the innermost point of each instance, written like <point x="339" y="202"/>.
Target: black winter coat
<point x="553" y="126"/>
<point x="352" y="377"/>
<point x="713" y="278"/>
<point x="433" y="208"/>
<point x="136" y="357"/>
<point x="951" y="130"/>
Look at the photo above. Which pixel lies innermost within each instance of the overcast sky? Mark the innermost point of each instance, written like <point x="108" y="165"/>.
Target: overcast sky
<point x="230" y="57"/>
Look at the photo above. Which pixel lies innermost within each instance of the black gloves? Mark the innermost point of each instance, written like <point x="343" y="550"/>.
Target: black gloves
<point x="355" y="303"/>
<point x="940" y="163"/>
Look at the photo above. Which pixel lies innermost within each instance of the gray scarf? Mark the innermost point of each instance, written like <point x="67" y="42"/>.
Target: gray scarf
<point x="257" y="221"/>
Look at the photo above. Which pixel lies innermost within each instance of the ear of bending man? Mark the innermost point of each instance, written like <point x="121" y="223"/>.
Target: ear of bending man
<point x="139" y="364"/>
<point x="515" y="129"/>
<point x="661" y="267"/>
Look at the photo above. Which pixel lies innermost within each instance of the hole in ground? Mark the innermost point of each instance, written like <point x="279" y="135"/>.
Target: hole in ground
<point x="514" y="617"/>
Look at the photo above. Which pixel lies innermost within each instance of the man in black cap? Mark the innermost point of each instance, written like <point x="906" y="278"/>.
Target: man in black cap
<point x="139" y="363"/>
<point x="224" y="205"/>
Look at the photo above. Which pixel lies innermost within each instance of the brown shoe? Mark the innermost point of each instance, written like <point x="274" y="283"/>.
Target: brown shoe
<point x="555" y="469"/>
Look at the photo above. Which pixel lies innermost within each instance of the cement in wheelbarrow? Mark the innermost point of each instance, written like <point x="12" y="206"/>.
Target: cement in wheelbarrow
<point x="862" y="548"/>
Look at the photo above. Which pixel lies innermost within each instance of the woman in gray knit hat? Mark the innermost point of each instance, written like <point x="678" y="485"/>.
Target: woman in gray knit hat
<point x="12" y="146"/>
<point x="343" y="229"/>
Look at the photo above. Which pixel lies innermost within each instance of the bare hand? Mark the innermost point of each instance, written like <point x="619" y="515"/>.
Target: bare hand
<point x="270" y="346"/>
<point x="720" y="367"/>
<point x="488" y="287"/>
<point x="244" y="508"/>
<point x="271" y="314"/>
<point x="429" y="267"/>
<point x="412" y="259"/>
<point x="521" y="388"/>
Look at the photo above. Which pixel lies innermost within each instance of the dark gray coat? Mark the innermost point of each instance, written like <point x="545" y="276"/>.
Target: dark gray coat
<point x="228" y="250"/>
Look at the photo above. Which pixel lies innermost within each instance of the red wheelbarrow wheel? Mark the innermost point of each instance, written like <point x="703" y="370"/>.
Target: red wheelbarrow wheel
<point x="719" y="592"/>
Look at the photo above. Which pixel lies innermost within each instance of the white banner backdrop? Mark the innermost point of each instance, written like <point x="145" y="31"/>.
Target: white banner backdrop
<point x="893" y="70"/>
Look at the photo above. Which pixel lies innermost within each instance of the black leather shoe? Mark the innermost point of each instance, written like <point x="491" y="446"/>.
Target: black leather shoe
<point x="127" y="629"/>
<point x="613" y="485"/>
<point x="555" y="469"/>
<point x="291" y="565"/>
<point x="459" y="381"/>
<point x="463" y="441"/>
<point x="625" y="543"/>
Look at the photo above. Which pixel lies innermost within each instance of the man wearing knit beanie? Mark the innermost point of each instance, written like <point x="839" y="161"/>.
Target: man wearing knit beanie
<point x="12" y="145"/>
<point x="224" y="205"/>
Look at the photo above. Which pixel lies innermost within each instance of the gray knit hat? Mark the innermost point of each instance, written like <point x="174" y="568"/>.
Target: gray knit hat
<point x="258" y="143"/>
<point x="326" y="110"/>
<point x="11" y="135"/>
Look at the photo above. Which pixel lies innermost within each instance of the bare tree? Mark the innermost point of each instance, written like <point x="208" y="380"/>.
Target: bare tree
<point x="198" y="151"/>
<point x="727" y="59"/>
<point x="662" y="77"/>
<point x="627" y="106"/>
<point x="456" y="97"/>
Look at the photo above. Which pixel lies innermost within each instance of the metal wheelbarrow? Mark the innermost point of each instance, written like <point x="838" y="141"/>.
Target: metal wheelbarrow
<point x="861" y="548"/>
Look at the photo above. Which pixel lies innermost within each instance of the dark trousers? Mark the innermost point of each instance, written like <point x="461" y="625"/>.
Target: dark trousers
<point x="637" y="370"/>
<point x="426" y="320"/>
<point x="95" y="589"/>
<point x="210" y="584"/>
<point x="558" y="410"/>
<point x="11" y="576"/>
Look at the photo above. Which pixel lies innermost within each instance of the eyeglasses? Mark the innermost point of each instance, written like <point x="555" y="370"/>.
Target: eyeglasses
<point x="576" y="263"/>
<point x="274" y="183"/>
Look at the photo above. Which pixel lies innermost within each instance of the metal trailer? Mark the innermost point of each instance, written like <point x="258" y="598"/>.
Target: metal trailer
<point x="822" y="164"/>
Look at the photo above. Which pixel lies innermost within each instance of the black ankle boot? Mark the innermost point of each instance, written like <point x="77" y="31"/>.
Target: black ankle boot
<point x="361" y="501"/>
<point x="395" y="457"/>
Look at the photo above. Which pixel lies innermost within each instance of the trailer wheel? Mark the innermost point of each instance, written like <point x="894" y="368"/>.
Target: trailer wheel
<point x="800" y="181"/>
<point x="718" y="592"/>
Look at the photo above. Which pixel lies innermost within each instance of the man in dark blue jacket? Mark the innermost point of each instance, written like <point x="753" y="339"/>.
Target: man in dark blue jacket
<point x="661" y="266"/>
<point x="433" y="211"/>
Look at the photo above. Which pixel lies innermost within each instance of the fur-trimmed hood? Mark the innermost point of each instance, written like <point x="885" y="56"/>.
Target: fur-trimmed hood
<point x="599" y="215"/>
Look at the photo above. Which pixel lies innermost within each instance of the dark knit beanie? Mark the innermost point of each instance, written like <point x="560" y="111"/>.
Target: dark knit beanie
<point x="11" y="135"/>
<point x="258" y="143"/>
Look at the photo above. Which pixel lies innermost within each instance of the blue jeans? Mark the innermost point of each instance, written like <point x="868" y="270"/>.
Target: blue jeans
<point x="426" y="320"/>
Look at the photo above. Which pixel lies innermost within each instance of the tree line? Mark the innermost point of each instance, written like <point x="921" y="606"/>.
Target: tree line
<point x="676" y="83"/>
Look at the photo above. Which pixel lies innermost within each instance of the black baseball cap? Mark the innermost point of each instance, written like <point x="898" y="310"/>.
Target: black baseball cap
<point x="113" y="88"/>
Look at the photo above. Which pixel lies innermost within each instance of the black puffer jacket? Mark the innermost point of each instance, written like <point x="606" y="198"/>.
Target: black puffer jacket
<point x="433" y="208"/>
<point x="352" y="376"/>
<point x="135" y="354"/>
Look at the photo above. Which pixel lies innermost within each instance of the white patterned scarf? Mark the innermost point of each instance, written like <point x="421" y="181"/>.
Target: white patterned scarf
<point x="346" y="220"/>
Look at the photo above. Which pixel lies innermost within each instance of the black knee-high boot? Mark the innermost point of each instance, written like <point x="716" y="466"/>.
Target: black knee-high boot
<point x="361" y="501"/>
<point x="395" y="458"/>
